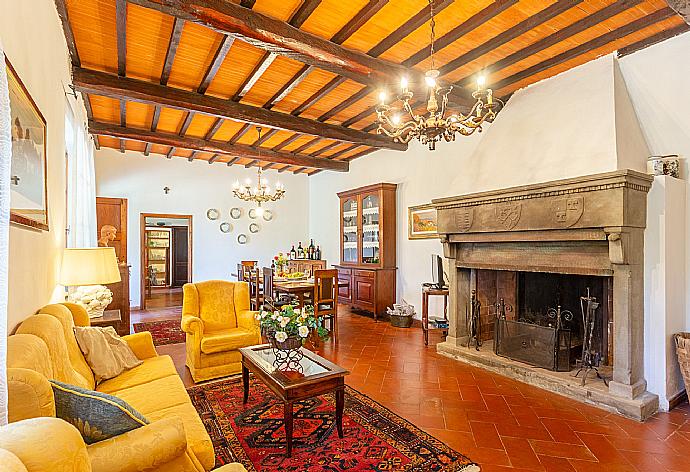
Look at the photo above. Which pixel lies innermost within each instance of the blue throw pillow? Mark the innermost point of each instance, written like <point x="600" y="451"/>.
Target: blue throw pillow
<point x="96" y="415"/>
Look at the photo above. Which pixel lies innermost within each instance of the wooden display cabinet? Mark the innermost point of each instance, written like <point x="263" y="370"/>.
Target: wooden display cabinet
<point x="367" y="247"/>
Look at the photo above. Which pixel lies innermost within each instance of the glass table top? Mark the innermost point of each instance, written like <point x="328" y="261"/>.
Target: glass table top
<point x="290" y="373"/>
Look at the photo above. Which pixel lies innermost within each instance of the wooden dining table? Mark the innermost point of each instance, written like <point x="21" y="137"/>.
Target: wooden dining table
<point x="302" y="289"/>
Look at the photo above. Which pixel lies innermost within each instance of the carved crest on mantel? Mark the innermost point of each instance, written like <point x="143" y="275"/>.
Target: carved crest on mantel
<point x="508" y="214"/>
<point x="463" y="219"/>
<point x="568" y="211"/>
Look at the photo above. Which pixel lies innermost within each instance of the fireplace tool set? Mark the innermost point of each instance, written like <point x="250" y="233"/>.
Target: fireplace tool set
<point x="474" y="322"/>
<point x="591" y="359"/>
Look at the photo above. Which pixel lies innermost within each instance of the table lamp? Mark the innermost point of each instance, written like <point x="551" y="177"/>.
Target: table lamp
<point x="87" y="269"/>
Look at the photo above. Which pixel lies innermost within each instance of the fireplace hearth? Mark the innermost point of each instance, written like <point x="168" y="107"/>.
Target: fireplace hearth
<point x="540" y="249"/>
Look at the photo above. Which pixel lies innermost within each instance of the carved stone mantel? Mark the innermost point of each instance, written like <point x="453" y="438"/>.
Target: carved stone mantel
<point x="590" y="225"/>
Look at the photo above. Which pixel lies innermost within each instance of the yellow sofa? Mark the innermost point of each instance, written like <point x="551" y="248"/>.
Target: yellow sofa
<point x="23" y="448"/>
<point x="44" y="347"/>
<point x="218" y="322"/>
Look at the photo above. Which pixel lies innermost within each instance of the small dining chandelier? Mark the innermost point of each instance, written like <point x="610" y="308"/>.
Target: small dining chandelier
<point x="434" y="125"/>
<point x="261" y="193"/>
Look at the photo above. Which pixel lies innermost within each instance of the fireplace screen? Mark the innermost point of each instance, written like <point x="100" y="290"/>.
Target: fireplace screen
<point x="540" y="346"/>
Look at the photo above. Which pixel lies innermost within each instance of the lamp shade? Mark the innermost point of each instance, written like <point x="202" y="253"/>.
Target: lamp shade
<point x="89" y="266"/>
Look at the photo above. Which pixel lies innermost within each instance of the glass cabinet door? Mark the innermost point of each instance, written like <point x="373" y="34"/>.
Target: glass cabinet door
<point x="370" y="228"/>
<point x="350" y="240"/>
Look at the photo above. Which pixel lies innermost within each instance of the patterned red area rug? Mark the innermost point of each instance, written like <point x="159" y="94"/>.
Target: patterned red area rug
<point x="375" y="438"/>
<point x="163" y="332"/>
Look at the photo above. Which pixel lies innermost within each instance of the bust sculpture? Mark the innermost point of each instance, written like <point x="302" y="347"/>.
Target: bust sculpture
<point x="108" y="233"/>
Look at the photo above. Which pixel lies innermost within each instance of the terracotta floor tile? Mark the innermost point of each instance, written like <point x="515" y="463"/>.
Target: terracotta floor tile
<point x="486" y="435"/>
<point x="521" y="454"/>
<point x="564" y="450"/>
<point x="500" y="423"/>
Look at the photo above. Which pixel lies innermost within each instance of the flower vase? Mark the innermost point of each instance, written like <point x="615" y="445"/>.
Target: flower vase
<point x="288" y="355"/>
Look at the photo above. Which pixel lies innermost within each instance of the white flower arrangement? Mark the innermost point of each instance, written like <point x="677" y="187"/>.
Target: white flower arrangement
<point x="94" y="298"/>
<point x="290" y="321"/>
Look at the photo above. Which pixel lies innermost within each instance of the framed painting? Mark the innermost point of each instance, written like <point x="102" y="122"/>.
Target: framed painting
<point x="422" y="222"/>
<point x="28" y="182"/>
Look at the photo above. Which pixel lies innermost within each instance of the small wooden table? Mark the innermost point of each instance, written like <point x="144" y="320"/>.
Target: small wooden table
<point x="299" y="288"/>
<point x="426" y="292"/>
<point x="318" y="376"/>
<point x="109" y="318"/>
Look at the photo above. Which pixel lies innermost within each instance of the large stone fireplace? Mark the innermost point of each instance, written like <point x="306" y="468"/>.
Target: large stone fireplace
<point x="539" y="247"/>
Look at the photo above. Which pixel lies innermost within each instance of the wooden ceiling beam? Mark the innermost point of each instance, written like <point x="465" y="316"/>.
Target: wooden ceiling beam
<point x="242" y="131"/>
<point x="277" y="36"/>
<point x="121" y="32"/>
<point x="583" y="48"/>
<point x="67" y="30"/>
<point x="89" y="115"/>
<point x="265" y="137"/>
<point x="304" y="11"/>
<point x="215" y="147"/>
<point x="248" y="3"/>
<point x="476" y="20"/>
<point x="346" y="103"/>
<point x="213" y="158"/>
<point x="232" y="161"/>
<point x="297" y="19"/>
<point x="216" y="62"/>
<point x="555" y="38"/>
<point x="682" y="8"/>
<point x="170" y="53"/>
<point x="521" y="28"/>
<point x="653" y="39"/>
<point x="328" y="147"/>
<point x="345" y="150"/>
<point x="307" y="145"/>
<point x="318" y="95"/>
<point x="420" y="18"/>
<point x="289" y="86"/>
<point x="362" y="16"/>
<point x="100" y="83"/>
<point x="251" y="163"/>
<point x="285" y="142"/>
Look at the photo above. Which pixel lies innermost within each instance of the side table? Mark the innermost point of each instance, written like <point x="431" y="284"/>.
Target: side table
<point x="109" y="318"/>
<point x="426" y="293"/>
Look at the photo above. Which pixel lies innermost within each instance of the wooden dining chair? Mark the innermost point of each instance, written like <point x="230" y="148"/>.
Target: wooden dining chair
<point x="279" y="299"/>
<point x="326" y="297"/>
<point x="255" y="290"/>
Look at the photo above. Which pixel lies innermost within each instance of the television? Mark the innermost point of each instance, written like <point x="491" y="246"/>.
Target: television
<point x="437" y="271"/>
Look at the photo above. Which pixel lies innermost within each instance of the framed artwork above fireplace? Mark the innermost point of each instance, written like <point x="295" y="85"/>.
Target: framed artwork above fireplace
<point x="422" y="223"/>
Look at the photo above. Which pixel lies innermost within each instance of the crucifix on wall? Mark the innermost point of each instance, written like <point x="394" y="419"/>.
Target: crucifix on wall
<point x="166" y="190"/>
<point x="15" y="179"/>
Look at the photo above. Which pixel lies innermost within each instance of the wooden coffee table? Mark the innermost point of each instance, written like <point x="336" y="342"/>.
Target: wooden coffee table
<point x="318" y="377"/>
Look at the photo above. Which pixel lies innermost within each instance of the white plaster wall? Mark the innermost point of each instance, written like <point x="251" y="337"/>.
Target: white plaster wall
<point x="658" y="85"/>
<point x="664" y="286"/>
<point x="196" y="187"/>
<point x="32" y="37"/>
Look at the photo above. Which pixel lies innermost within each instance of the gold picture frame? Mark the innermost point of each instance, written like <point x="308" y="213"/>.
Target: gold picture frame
<point x="422" y="222"/>
<point x="28" y="169"/>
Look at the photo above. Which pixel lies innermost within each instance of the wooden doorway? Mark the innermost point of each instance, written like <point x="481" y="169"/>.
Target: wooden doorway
<point x="166" y="258"/>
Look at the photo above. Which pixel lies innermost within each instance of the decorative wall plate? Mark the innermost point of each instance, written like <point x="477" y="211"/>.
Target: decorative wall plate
<point x="242" y="238"/>
<point x="268" y="215"/>
<point x="225" y="227"/>
<point x="254" y="228"/>
<point x="212" y="214"/>
<point x="252" y="214"/>
<point x="235" y="213"/>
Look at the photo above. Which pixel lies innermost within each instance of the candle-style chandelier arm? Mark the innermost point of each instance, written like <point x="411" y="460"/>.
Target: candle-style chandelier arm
<point x="434" y="125"/>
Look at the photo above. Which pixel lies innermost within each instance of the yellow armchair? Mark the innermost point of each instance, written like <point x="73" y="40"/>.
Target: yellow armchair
<point x="218" y="321"/>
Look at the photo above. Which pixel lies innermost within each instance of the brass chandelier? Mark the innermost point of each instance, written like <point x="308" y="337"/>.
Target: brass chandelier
<point x="261" y="193"/>
<point x="434" y="125"/>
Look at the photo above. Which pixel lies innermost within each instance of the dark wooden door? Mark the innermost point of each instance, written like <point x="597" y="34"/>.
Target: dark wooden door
<point x="180" y="255"/>
<point x="113" y="212"/>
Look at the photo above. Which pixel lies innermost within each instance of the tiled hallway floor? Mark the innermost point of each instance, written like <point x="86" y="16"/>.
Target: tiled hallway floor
<point x="501" y="424"/>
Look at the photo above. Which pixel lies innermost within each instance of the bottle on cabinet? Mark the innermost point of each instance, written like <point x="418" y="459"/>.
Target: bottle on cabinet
<point x="317" y="255"/>
<point x="311" y="250"/>
<point x="293" y="253"/>
<point x="300" y="251"/>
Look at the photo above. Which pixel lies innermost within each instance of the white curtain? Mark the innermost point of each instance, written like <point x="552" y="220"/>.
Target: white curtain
<point x="81" y="184"/>
<point x="5" y="158"/>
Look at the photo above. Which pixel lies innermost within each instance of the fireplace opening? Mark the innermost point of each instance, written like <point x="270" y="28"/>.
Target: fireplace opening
<point x="543" y="323"/>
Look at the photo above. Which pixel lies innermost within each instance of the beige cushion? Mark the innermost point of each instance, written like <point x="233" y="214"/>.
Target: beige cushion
<point x="107" y="354"/>
<point x="227" y="340"/>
